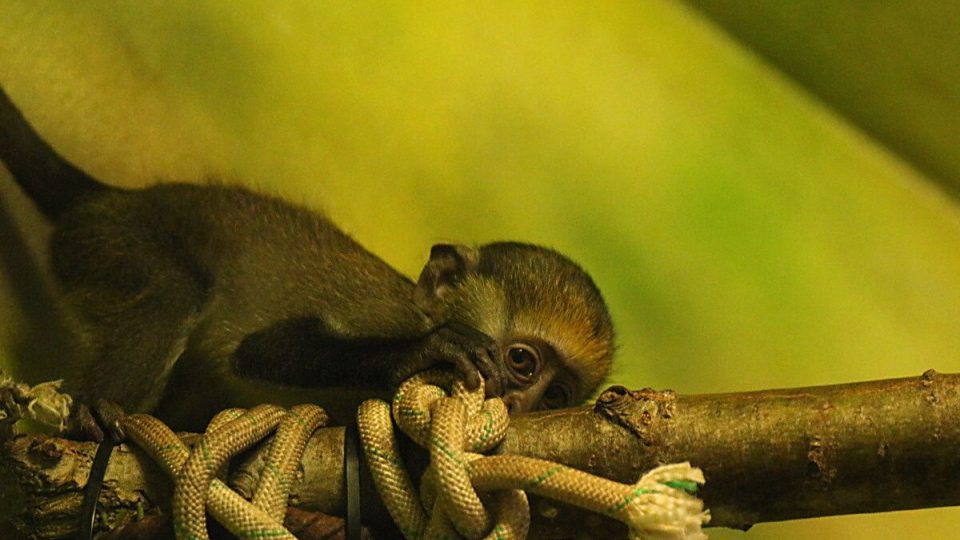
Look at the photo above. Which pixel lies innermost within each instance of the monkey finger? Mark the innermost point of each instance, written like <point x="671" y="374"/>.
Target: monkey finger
<point x="491" y="370"/>
<point x="81" y="425"/>
<point x="108" y="415"/>
<point x="470" y="371"/>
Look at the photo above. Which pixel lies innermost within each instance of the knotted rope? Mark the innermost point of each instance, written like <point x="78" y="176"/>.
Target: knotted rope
<point x="455" y="428"/>
<point x="197" y="490"/>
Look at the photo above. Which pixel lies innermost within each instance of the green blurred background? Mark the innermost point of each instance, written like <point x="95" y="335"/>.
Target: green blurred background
<point x="761" y="189"/>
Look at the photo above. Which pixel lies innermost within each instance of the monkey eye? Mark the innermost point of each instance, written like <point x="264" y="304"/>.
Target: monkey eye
<point x="523" y="362"/>
<point x="556" y="396"/>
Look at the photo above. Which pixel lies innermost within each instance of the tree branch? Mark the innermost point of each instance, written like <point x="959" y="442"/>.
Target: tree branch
<point x="768" y="456"/>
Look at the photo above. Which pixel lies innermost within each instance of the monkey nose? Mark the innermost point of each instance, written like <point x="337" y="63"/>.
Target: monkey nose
<point x="514" y="403"/>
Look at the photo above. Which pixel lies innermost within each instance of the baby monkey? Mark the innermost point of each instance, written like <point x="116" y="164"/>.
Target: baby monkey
<point x="185" y="299"/>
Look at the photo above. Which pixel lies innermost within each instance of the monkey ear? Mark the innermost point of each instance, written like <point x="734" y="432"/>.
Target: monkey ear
<point x="448" y="265"/>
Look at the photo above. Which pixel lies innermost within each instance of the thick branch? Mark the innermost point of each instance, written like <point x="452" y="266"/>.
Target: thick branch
<point x="773" y="455"/>
<point x="768" y="456"/>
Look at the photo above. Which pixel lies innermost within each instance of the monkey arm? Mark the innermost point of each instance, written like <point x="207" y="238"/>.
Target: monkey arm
<point x="301" y="352"/>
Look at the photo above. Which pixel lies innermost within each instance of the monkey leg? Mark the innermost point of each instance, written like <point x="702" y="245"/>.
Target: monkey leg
<point x="133" y="300"/>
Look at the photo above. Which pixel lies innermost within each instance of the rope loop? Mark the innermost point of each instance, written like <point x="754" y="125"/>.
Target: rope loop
<point x="486" y="419"/>
<point x="198" y="491"/>
<point x="464" y="494"/>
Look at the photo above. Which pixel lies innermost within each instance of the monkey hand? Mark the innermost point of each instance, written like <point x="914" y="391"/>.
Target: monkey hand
<point x="96" y="423"/>
<point x="472" y="353"/>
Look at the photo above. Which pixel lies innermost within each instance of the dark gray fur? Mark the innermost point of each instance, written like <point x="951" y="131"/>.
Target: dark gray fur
<point x="184" y="296"/>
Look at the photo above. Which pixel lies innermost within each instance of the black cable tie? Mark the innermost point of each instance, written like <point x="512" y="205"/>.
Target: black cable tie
<point x="91" y="493"/>
<point x="351" y="478"/>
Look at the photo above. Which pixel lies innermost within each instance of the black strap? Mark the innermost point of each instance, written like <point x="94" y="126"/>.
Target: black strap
<point x="351" y="478"/>
<point x="91" y="493"/>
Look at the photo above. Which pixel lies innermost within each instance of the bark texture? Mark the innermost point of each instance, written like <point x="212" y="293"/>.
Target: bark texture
<point x="768" y="456"/>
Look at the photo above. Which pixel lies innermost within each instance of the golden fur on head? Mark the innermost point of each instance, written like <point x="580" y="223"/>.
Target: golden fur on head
<point x="550" y="297"/>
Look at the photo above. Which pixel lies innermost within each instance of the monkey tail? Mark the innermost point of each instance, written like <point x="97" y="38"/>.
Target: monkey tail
<point x="51" y="181"/>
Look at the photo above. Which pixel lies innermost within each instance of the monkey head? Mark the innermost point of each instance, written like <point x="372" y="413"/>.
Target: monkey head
<point x="553" y="333"/>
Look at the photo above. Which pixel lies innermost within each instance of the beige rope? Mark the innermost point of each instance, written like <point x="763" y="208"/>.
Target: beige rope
<point x="455" y="425"/>
<point x="197" y="490"/>
<point x="285" y="451"/>
<point x="454" y="428"/>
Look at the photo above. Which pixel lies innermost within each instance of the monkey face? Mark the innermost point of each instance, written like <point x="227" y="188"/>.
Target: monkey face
<point x="536" y="378"/>
<point x="542" y="311"/>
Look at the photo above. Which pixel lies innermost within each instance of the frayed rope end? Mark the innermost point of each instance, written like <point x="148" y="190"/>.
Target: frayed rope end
<point x="666" y="506"/>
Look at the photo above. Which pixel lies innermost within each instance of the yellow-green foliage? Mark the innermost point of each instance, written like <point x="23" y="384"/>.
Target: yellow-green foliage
<point x="745" y="235"/>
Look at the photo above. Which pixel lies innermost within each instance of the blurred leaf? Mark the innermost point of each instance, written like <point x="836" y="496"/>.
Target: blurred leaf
<point x="745" y="234"/>
<point x="890" y="67"/>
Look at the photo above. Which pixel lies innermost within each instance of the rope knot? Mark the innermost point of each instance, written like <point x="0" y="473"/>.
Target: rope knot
<point x="455" y="425"/>
<point x="455" y="428"/>
<point x="197" y="490"/>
